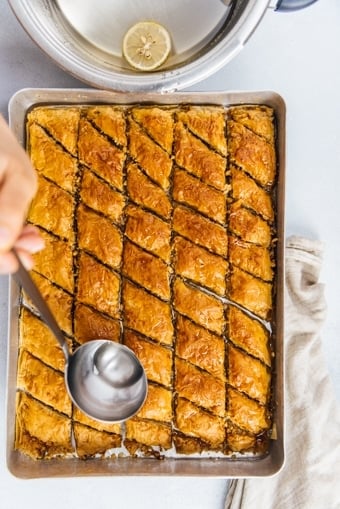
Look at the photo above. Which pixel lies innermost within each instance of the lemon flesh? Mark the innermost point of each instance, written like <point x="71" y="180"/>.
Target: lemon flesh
<point x="146" y="45"/>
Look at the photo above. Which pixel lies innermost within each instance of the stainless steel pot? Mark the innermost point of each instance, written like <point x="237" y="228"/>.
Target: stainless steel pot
<point x="84" y="36"/>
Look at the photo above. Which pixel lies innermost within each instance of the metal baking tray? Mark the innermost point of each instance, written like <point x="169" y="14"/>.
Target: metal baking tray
<point x="226" y="467"/>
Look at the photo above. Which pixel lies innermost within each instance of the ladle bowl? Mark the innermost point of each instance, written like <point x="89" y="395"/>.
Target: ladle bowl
<point x="104" y="379"/>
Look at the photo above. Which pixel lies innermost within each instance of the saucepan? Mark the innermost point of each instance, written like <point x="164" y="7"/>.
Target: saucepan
<point x="85" y="37"/>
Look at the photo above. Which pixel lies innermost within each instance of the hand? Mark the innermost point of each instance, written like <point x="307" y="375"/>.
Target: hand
<point x="18" y="184"/>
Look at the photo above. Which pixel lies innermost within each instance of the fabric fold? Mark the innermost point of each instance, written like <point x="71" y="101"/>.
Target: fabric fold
<point x="310" y="477"/>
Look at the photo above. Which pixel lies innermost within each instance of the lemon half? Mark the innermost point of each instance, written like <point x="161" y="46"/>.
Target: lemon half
<point x="146" y="45"/>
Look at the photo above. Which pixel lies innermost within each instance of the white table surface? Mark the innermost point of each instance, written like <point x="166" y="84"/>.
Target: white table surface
<point x="296" y="55"/>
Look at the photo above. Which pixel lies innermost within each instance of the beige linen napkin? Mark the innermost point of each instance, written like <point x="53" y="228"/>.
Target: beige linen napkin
<point x="310" y="478"/>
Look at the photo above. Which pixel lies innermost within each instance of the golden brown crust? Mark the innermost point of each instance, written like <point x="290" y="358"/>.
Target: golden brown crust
<point x="250" y="195"/>
<point x="246" y="413"/>
<point x="148" y="231"/>
<point x="109" y="120"/>
<point x="254" y="259"/>
<point x="98" y="195"/>
<point x="52" y="208"/>
<point x="101" y="156"/>
<point x="248" y="375"/>
<point x="200" y="347"/>
<point x="149" y="433"/>
<point x="252" y="153"/>
<point x="259" y="119"/>
<point x="36" y="338"/>
<point x="199" y="307"/>
<point x="200" y="230"/>
<point x="207" y="200"/>
<point x="249" y="226"/>
<point x="193" y="155"/>
<point x="196" y="263"/>
<point x="98" y="286"/>
<point x="193" y="421"/>
<point x="80" y="417"/>
<point x="89" y="324"/>
<point x="156" y="359"/>
<point x="147" y="270"/>
<point x="155" y="161"/>
<point x="158" y="122"/>
<point x="144" y="192"/>
<point x="61" y="123"/>
<point x="208" y="123"/>
<point x="251" y="293"/>
<point x="158" y="404"/>
<point x="55" y="261"/>
<point x="40" y="431"/>
<point x="50" y="159"/>
<point x="98" y="236"/>
<point x="239" y="440"/>
<point x="43" y="382"/>
<point x="248" y="334"/>
<point x="91" y="442"/>
<point x="59" y="301"/>
<point x="199" y="387"/>
<point x="147" y="314"/>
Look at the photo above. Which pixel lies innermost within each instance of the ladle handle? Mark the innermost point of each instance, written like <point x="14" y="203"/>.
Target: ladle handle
<point x="23" y="277"/>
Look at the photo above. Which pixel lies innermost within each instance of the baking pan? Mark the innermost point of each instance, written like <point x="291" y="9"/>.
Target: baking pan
<point x="221" y="467"/>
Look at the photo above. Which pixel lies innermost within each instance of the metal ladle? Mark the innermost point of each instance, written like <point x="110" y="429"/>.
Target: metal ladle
<point x="103" y="378"/>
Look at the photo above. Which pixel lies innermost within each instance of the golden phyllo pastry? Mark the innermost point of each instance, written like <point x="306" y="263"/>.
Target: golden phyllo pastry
<point x="207" y="200"/>
<point x="200" y="230"/>
<point x="52" y="208"/>
<point x="61" y="123"/>
<point x="92" y="442"/>
<point x="100" y="196"/>
<point x="197" y="158"/>
<point x="147" y="314"/>
<point x="110" y="121"/>
<point x="46" y="348"/>
<point x="156" y="359"/>
<point x="144" y="192"/>
<point x="149" y="232"/>
<point x="159" y="225"/>
<point x="196" y="263"/>
<point x="43" y="383"/>
<point x="98" y="286"/>
<point x="249" y="334"/>
<point x="59" y="301"/>
<point x="208" y="124"/>
<point x="158" y="123"/>
<point x="50" y="160"/>
<point x="201" y="308"/>
<point x="200" y="347"/>
<point x="55" y="261"/>
<point x="98" y="236"/>
<point x="193" y="421"/>
<point x="200" y="387"/>
<point x="252" y="153"/>
<point x="101" y="156"/>
<point x="40" y="431"/>
<point x="91" y="324"/>
<point x="154" y="160"/>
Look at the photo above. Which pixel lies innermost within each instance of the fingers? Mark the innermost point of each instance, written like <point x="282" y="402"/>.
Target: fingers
<point x="17" y="187"/>
<point x="28" y="243"/>
<point x="9" y="264"/>
<point x="18" y="183"/>
<point x="29" y="240"/>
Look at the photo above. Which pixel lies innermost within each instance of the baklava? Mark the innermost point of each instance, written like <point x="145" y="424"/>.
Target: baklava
<point x="160" y="227"/>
